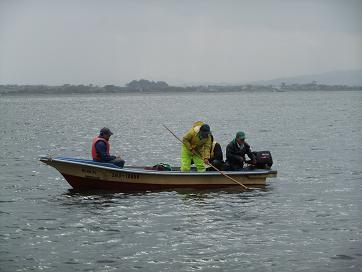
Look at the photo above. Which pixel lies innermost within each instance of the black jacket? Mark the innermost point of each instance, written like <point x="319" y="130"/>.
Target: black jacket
<point x="218" y="153"/>
<point x="234" y="153"/>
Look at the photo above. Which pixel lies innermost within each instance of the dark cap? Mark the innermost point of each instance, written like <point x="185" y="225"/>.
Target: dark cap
<point x="105" y="131"/>
<point x="205" y="130"/>
<point x="240" y="135"/>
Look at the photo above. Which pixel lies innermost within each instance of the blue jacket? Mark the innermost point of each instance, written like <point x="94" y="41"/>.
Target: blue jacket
<point x="101" y="150"/>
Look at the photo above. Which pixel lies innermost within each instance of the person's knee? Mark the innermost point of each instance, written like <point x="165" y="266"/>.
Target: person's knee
<point x="119" y="163"/>
<point x="218" y="164"/>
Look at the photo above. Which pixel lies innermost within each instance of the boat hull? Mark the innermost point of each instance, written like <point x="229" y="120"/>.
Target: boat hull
<point x="88" y="175"/>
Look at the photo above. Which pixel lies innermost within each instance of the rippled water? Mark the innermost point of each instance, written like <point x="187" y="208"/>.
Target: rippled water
<point x="307" y="219"/>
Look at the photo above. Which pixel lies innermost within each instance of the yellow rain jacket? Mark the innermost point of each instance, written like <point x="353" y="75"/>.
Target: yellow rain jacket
<point x="192" y="141"/>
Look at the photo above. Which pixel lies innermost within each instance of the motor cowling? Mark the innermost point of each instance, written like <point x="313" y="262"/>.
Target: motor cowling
<point x="263" y="159"/>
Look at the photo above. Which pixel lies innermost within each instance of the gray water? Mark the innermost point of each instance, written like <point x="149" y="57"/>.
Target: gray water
<point x="307" y="219"/>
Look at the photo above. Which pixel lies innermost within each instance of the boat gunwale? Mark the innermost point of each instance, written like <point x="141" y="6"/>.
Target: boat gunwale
<point x="141" y="170"/>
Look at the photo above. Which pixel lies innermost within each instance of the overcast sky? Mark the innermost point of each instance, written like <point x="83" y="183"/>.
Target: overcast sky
<point x="113" y="42"/>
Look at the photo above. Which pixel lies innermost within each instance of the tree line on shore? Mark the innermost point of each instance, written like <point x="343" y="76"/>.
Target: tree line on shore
<point x="148" y="86"/>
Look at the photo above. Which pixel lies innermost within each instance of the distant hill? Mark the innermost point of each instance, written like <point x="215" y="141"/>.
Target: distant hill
<point x="349" y="78"/>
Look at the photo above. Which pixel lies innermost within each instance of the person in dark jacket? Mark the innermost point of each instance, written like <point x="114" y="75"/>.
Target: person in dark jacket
<point x="236" y="151"/>
<point x="216" y="156"/>
<point x="101" y="149"/>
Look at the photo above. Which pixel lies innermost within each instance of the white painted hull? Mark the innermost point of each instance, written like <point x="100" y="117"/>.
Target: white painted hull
<point x="84" y="174"/>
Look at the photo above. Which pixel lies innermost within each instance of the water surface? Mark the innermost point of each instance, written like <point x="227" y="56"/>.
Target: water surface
<point x="307" y="219"/>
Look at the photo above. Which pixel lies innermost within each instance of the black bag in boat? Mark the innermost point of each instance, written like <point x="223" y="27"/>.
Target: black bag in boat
<point x="263" y="159"/>
<point x="160" y="167"/>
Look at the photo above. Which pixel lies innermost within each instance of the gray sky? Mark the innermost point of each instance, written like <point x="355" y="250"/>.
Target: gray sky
<point x="181" y="42"/>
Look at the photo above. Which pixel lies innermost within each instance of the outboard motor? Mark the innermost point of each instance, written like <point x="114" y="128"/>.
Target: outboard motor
<point x="263" y="159"/>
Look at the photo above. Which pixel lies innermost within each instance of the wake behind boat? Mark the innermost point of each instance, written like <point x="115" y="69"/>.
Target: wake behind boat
<point x="83" y="174"/>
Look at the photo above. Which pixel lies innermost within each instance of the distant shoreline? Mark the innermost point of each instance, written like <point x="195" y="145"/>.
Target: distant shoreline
<point x="110" y="89"/>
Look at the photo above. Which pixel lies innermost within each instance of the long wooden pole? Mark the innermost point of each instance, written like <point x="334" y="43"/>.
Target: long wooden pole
<point x="222" y="173"/>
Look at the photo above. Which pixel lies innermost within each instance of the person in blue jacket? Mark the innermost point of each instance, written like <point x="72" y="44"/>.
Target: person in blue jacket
<point x="101" y="149"/>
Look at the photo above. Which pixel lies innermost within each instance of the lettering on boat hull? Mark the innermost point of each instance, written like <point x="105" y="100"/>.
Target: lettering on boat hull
<point x="125" y="176"/>
<point x="89" y="171"/>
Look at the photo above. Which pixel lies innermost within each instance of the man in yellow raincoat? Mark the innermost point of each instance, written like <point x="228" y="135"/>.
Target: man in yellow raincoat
<point x="196" y="147"/>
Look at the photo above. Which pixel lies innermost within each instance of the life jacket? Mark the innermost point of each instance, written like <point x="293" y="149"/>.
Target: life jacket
<point x="95" y="155"/>
<point x="212" y="149"/>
